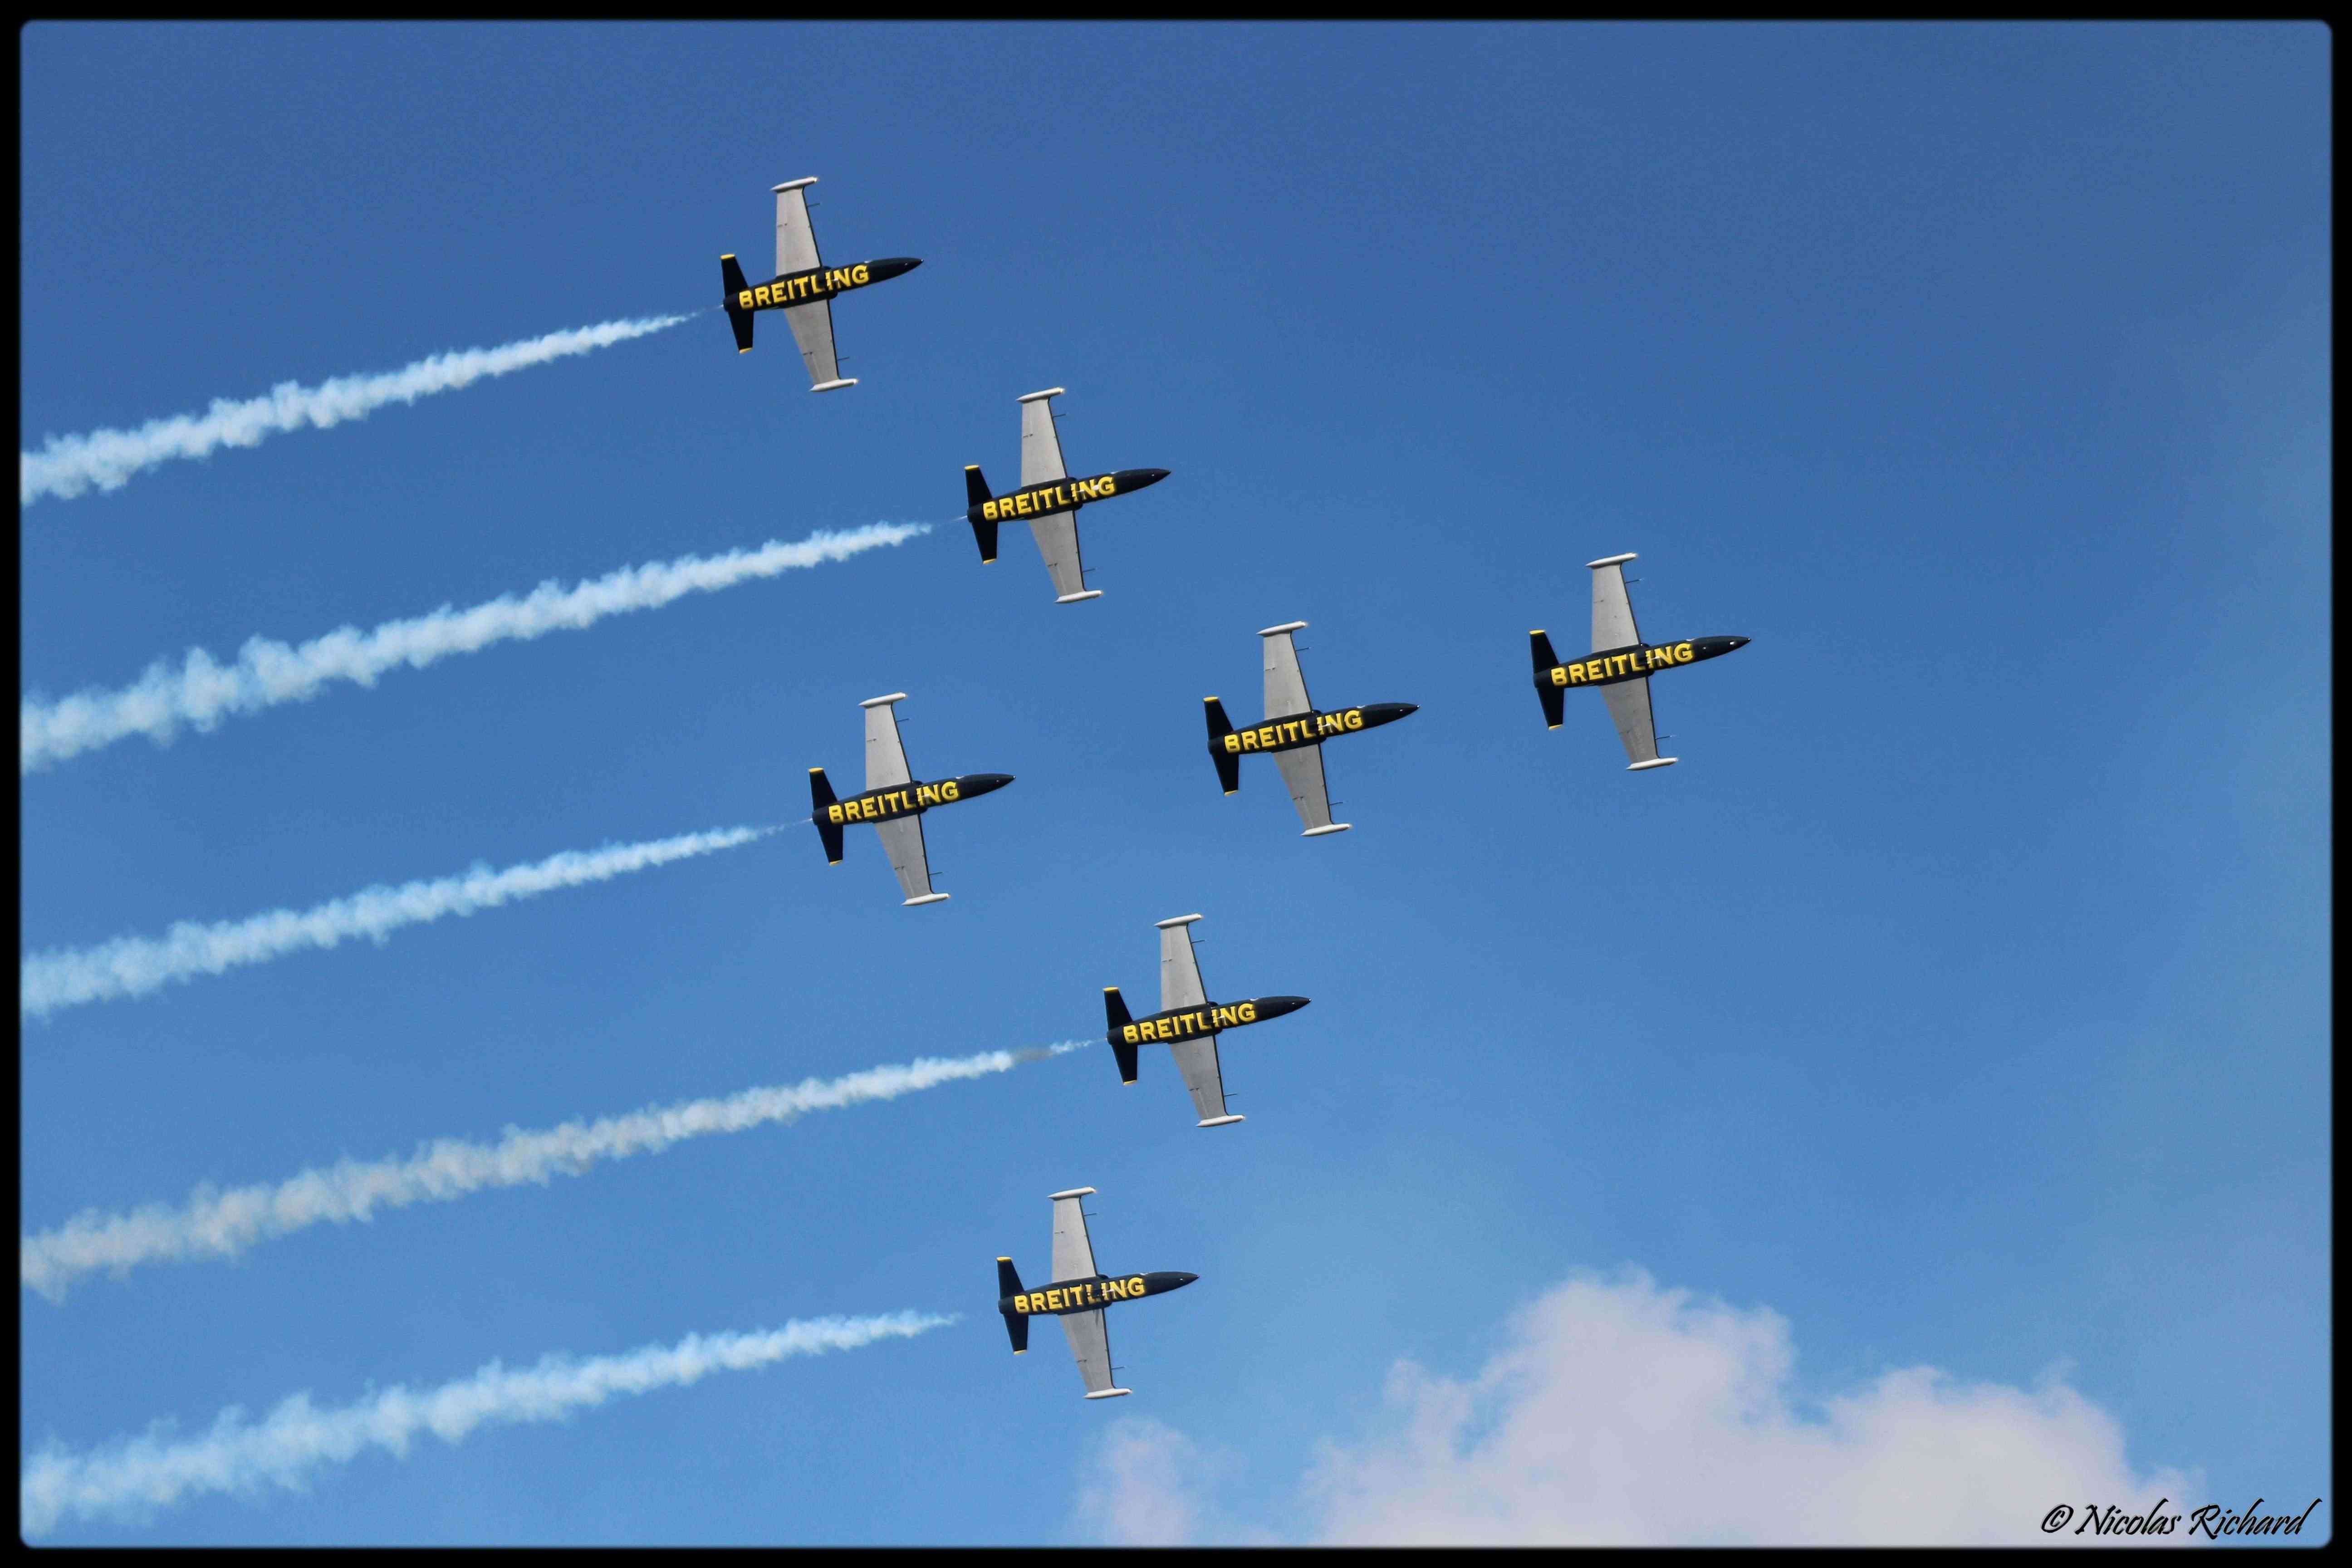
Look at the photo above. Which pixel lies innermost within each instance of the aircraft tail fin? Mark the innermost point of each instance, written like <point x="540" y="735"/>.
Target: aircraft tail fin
<point x="984" y="529"/>
<point x="731" y="275"/>
<point x="1229" y="764"/>
<point x="821" y="795"/>
<point x="1115" y="1010"/>
<point x="1546" y="661"/>
<point x="1008" y="1283"/>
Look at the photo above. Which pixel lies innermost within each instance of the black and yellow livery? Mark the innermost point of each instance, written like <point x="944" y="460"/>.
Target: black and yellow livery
<point x="1018" y="1305"/>
<point x="889" y="803"/>
<point x="1610" y="666"/>
<point x="1080" y="1292"/>
<point x="744" y="300"/>
<point x="1174" y="1026"/>
<point x="986" y="511"/>
<point x="1228" y="746"/>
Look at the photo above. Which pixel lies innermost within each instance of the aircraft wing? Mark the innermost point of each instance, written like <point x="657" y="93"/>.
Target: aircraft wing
<point x="885" y="759"/>
<point x="1629" y="708"/>
<point x="1074" y="1254"/>
<point x="1180" y="972"/>
<point x="1057" y="541"/>
<point x="1090" y="1343"/>
<point x="795" y="240"/>
<point x="902" y="840"/>
<point x="1196" y="1059"/>
<point x="1612" y="612"/>
<point x="1302" y="769"/>
<point x="1286" y="683"/>
<point x="1040" y="448"/>
<point x="812" y="327"/>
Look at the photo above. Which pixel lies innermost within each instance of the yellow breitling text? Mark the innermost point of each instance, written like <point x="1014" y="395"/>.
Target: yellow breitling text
<point x="1290" y="731"/>
<point x="1058" y="496"/>
<point x="1096" y="1293"/>
<point x="893" y="802"/>
<point x="807" y="286"/>
<point x="1634" y="663"/>
<point x="1184" y="1025"/>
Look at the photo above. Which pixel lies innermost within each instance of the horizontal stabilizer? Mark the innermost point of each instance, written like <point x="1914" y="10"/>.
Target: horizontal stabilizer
<point x="928" y="898"/>
<point x="1220" y="1122"/>
<point x="1108" y="1392"/>
<point x="1334" y="828"/>
<point x="1653" y="762"/>
<point x="834" y="385"/>
<point x="1073" y="599"/>
<point x="1611" y="561"/>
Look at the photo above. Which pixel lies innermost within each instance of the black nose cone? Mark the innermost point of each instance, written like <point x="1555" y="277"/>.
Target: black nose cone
<point x="981" y="784"/>
<point x="1186" y="1279"/>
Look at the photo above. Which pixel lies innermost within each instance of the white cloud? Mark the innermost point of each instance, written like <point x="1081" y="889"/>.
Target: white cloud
<point x="1144" y="1486"/>
<point x="1621" y="1412"/>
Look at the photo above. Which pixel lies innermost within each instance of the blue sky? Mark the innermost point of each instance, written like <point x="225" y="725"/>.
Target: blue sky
<point x="1961" y="998"/>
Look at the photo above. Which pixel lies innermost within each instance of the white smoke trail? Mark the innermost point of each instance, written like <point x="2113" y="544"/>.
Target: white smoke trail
<point x="132" y="1477"/>
<point x="69" y="464"/>
<point x="222" y="1224"/>
<point x="134" y="965"/>
<point x="268" y="673"/>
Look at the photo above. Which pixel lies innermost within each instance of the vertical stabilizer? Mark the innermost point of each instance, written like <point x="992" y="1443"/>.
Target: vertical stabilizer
<point x="821" y="795"/>
<point x="1229" y="766"/>
<point x="739" y="314"/>
<point x="1115" y="1010"/>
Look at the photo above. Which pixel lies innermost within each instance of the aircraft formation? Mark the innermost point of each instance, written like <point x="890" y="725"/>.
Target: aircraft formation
<point x="1292" y="732"/>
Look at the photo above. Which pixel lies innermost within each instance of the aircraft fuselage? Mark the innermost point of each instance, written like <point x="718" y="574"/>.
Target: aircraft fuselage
<point x="1613" y="665"/>
<point x="1298" y="730"/>
<point x="818" y="283"/>
<point x="1088" y="1295"/>
<point x="911" y="799"/>
<point x="1061" y="495"/>
<point x="1187" y="1023"/>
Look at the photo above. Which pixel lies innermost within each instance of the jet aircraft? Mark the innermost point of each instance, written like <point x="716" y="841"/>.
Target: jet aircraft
<point x="1294" y="733"/>
<point x="1620" y="665"/>
<point x="1077" y="1296"/>
<point x="803" y="288"/>
<point x="1188" y="1021"/>
<point x="1049" y="498"/>
<point x="893" y="800"/>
